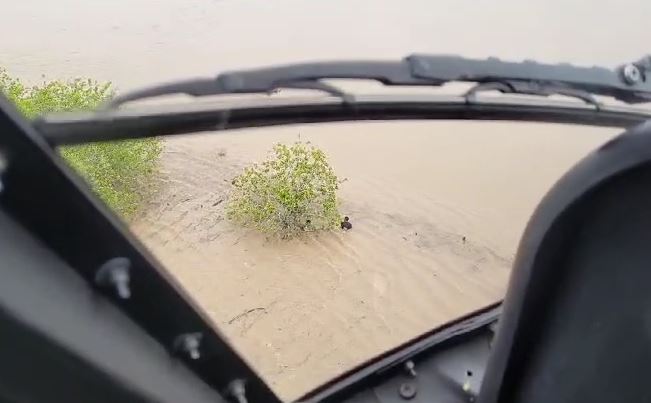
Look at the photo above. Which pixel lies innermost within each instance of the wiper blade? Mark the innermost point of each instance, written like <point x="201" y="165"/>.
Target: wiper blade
<point x="631" y="83"/>
<point x="130" y="123"/>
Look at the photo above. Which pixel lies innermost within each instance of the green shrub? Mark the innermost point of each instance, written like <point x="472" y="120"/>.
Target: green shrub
<point x="117" y="171"/>
<point x="292" y="192"/>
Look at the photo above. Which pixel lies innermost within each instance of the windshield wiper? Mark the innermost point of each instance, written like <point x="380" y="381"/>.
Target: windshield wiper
<point x="267" y="80"/>
<point x="630" y="83"/>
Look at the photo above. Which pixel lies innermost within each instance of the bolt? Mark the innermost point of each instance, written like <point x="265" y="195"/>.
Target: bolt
<point x="410" y="368"/>
<point x="121" y="282"/>
<point x="237" y="390"/>
<point x="631" y="74"/>
<point x="189" y="343"/>
<point x="115" y="273"/>
<point x="407" y="390"/>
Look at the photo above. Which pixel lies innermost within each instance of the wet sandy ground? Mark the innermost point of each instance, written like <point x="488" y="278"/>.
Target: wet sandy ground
<point x="305" y="310"/>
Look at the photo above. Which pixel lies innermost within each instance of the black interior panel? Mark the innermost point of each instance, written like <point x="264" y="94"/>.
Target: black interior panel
<point x="62" y="342"/>
<point x="576" y="325"/>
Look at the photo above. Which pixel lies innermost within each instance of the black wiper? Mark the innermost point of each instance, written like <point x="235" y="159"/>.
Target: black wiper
<point x="631" y="83"/>
<point x="628" y="83"/>
<point x="267" y="80"/>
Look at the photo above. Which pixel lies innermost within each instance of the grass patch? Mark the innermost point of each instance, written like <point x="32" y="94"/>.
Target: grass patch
<point x="118" y="172"/>
<point x="292" y="192"/>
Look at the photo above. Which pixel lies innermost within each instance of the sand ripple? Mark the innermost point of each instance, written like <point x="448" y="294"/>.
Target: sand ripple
<point x="305" y="310"/>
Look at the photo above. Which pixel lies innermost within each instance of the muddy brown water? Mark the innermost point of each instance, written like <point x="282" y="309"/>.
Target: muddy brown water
<point x="306" y="310"/>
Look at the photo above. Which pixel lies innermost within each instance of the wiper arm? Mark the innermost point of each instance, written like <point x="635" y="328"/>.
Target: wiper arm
<point x="530" y="88"/>
<point x="266" y="80"/>
<point x="630" y="83"/>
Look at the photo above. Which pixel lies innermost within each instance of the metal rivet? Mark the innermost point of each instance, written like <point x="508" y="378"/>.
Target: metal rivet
<point x="189" y="343"/>
<point x="410" y="368"/>
<point x="631" y="74"/>
<point x="407" y="390"/>
<point x="115" y="273"/>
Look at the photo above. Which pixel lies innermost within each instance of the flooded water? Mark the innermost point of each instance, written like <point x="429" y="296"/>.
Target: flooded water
<point x="132" y="42"/>
<point x="437" y="207"/>
<point x="437" y="210"/>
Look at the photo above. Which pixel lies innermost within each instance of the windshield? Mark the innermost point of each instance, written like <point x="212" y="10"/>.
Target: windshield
<point x="435" y="209"/>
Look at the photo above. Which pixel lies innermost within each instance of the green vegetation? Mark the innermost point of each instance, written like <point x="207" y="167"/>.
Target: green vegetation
<point x="292" y="192"/>
<point x="117" y="171"/>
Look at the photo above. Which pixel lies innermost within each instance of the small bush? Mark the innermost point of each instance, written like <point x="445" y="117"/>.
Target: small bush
<point x="293" y="192"/>
<point x="116" y="171"/>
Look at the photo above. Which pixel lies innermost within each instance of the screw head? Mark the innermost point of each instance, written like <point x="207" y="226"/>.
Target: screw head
<point x="631" y="74"/>
<point x="407" y="390"/>
<point x="115" y="273"/>
<point x="237" y="389"/>
<point x="189" y="343"/>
